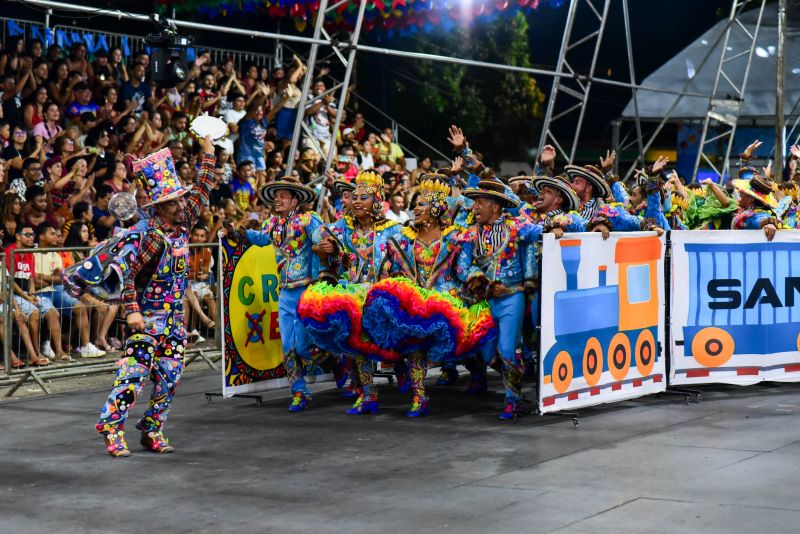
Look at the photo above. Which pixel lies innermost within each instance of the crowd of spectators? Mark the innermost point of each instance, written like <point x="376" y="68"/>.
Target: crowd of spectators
<point x="67" y="120"/>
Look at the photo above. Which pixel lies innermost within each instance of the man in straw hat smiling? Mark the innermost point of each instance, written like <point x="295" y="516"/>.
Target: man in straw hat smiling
<point x="505" y="254"/>
<point x="290" y="232"/>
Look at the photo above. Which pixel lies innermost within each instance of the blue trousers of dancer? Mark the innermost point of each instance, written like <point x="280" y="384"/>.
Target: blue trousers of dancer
<point x="508" y="313"/>
<point x="294" y="339"/>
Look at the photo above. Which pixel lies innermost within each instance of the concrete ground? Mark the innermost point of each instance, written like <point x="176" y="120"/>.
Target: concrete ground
<point x="728" y="464"/>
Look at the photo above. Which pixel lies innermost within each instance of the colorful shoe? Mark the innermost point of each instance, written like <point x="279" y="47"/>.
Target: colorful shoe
<point x="115" y="444"/>
<point x="419" y="408"/>
<point x="154" y="441"/>
<point x="477" y="386"/>
<point x="299" y="402"/>
<point x="448" y="377"/>
<point x="511" y="411"/>
<point x="363" y="406"/>
<point x="351" y="391"/>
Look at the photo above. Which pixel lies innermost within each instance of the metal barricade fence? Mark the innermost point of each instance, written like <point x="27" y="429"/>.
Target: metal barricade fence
<point x="50" y="323"/>
<point x="65" y="36"/>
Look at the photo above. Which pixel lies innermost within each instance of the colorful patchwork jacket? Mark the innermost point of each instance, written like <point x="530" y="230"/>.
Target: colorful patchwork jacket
<point x="755" y="219"/>
<point x="357" y="262"/>
<point x="615" y="216"/>
<point x="292" y="238"/>
<point x="505" y="251"/>
<point x="447" y="272"/>
<point x="569" y="222"/>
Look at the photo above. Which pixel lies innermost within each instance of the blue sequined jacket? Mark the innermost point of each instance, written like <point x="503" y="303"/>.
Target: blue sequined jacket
<point x="297" y="264"/>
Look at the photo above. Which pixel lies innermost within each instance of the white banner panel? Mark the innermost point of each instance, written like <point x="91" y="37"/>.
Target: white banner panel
<point x="735" y="307"/>
<point x="602" y="319"/>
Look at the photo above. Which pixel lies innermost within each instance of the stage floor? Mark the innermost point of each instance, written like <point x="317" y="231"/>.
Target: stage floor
<point x="728" y="464"/>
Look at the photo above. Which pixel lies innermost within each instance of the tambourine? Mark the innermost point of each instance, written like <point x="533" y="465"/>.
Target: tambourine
<point x="123" y="205"/>
<point x="206" y="125"/>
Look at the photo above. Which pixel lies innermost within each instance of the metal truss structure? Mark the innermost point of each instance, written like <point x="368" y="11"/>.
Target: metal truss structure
<point x="727" y="97"/>
<point x="570" y="91"/>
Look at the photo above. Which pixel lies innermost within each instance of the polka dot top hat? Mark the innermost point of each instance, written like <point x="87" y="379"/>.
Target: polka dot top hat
<point x="156" y="174"/>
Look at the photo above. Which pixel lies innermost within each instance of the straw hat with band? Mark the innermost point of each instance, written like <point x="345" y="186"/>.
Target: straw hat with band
<point x="571" y="202"/>
<point x="341" y="185"/>
<point x="758" y="188"/>
<point x="591" y="174"/>
<point x="493" y="190"/>
<point x="525" y="180"/>
<point x="302" y="193"/>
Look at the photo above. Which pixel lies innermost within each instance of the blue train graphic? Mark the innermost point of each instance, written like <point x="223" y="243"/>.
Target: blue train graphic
<point x="596" y="327"/>
<point x="743" y="299"/>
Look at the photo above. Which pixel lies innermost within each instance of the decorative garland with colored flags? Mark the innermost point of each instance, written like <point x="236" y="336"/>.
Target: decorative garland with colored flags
<point x="388" y="16"/>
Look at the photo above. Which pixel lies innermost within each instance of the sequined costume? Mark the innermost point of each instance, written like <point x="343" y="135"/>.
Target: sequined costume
<point x="298" y="267"/>
<point x="154" y="284"/>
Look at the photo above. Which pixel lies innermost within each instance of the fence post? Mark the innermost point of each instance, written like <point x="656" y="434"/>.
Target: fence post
<point x="8" y="311"/>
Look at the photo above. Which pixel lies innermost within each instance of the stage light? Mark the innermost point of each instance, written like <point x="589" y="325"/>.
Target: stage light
<point x="168" y="64"/>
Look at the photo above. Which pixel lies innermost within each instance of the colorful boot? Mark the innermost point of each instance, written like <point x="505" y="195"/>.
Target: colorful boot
<point x="419" y="407"/>
<point x="351" y="391"/>
<point x="154" y="441"/>
<point x="364" y="405"/>
<point x="448" y="377"/>
<point x="511" y="411"/>
<point x="115" y="444"/>
<point x="299" y="402"/>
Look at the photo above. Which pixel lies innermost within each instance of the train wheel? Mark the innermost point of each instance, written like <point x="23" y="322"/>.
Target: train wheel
<point x="712" y="347"/>
<point x="619" y="356"/>
<point x="645" y="352"/>
<point x="562" y="371"/>
<point x="592" y="361"/>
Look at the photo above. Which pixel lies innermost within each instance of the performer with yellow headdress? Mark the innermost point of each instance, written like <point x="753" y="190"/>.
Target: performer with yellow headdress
<point x="352" y="251"/>
<point x="421" y="314"/>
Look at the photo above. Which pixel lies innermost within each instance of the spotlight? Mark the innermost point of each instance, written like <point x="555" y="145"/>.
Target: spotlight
<point x="168" y="65"/>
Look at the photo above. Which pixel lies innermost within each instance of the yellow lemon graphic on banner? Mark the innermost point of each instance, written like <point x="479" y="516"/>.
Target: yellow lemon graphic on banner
<point x="253" y="309"/>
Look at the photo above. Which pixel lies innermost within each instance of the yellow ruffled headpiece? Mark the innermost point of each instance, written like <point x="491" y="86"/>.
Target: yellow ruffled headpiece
<point x="434" y="187"/>
<point x="371" y="182"/>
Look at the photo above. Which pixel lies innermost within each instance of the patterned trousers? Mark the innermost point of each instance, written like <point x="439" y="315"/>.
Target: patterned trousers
<point x="159" y="358"/>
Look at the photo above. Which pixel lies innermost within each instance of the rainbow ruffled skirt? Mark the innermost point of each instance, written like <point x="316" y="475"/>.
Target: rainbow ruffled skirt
<point x="332" y="317"/>
<point x="402" y="316"/>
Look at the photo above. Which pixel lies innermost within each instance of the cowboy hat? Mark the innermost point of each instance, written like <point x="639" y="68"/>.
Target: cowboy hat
<point x="589" y="173"/>
<point x="759" y="188"/>
<point x="571" y="202"/>
<point x="302" y="193"/>
<point x="493" y="190"/>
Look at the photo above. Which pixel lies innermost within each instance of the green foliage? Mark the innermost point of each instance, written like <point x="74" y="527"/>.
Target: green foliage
<point x="500" y="111"/>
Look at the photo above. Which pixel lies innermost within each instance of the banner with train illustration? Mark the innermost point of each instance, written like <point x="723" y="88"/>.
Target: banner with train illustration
<point x="602" y="319"/>
<point x="735" y="307"/>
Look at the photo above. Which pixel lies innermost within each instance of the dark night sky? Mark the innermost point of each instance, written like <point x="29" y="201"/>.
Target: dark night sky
<point x="660" y="29"/>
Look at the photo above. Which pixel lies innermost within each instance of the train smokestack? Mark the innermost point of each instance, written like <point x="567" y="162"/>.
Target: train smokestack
<point x="571" y="259"/>
<point x="602" y="274"/>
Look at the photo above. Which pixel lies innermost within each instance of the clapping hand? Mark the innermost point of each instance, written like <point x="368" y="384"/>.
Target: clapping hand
<point x="458" y="164"/>
<point x="456" y="137"/>
<point x="753" y="146"/>
<point x="659" y="164"/>
<point x="608" y="162"/>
